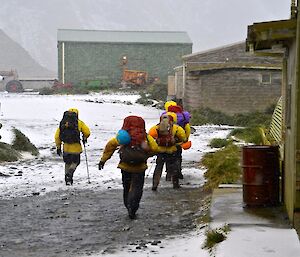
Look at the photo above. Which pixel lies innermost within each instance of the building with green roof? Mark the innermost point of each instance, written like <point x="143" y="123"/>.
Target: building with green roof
<point x="87" y="55"/>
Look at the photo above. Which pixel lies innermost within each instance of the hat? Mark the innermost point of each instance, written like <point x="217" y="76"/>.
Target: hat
<point x="169" y="103"/>
<point x="74" y="110"/>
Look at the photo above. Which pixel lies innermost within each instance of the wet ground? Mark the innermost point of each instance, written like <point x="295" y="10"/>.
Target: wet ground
<point x="80" y="222"/>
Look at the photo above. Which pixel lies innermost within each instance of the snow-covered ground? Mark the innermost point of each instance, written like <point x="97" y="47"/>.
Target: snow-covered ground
<point x="38" y="117"/>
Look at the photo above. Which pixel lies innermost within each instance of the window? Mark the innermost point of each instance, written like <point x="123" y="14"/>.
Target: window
<point x="266" y="78"/>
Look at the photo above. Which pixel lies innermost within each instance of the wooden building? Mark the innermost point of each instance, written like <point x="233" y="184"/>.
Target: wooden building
<point x="228" y="79"/>
<point x="284" y="35"/>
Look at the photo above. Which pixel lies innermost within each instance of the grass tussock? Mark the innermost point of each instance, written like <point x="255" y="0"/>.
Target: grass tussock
<point x="22" y="143"/>
<point x="219" y="142"/>
<point x="223" y="166"/>
<point x="215" y="236"/>
<point x="7" y="153"/>
<point x="249" y="135"/>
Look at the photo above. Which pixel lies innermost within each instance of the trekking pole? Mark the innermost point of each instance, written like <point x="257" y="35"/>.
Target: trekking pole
<point x="86" y="161"/>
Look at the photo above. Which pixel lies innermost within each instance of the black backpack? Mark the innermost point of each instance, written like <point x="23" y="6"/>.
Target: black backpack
<point x="69" y="132"/>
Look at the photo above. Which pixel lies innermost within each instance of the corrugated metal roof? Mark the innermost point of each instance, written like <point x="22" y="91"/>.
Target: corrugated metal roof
<point x="70" y="35"/>
<point x="185" y="57"/>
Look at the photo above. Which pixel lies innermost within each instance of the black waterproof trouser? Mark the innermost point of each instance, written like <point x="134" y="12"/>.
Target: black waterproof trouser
<point x="133" y="184"/>
<point x="72" y="160"/>
<point x="178" y="155"/>
<point x="172" y="166"/>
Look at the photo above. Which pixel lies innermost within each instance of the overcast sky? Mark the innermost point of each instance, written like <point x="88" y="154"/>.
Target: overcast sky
<point x="209" y="23"/>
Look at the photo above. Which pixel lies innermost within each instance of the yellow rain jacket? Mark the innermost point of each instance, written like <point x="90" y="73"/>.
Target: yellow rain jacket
<point x="113" y="144"/>
<point x="76" y="147"/>
<point x="187" y="129"/>
<point x="178" y="133"/>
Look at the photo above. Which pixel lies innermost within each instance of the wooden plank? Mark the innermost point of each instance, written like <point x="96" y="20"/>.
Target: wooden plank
<point x="216" y="66"/>
<point x="263" y="35"/>
<point x="276" y="123"/>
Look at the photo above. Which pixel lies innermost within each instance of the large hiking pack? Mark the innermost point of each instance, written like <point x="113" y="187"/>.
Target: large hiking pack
<point x="165" y="135"/>
<point x="134" y="153"/>
<point x="69" y="132"/>
<point x="183" y="117"/>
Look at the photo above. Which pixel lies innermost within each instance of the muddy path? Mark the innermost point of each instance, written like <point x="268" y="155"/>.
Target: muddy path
<point x="78" y="222"/>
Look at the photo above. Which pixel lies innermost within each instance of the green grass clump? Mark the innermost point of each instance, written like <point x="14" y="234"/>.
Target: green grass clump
<point x="76" y="90"/>
<point x="223" y="166"/>
<point x="249" y="135"/>
<point x="7" y="153"/>
<point x="215" y="236"/>
<point x="22" y="143"/>
<point x="218" y="142"/>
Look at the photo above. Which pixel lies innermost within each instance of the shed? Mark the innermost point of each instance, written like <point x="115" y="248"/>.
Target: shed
<point x="85" y="55"/>
<point x="228" y="79"/>
<point x="285" y="34"/>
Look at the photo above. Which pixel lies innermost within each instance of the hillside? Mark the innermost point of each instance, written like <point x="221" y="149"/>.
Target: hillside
<point x="13" y="56"/>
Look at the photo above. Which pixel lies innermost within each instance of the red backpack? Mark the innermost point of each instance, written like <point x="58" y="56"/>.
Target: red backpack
<point x="133" y="153"/>
<point x="135" y="126"/>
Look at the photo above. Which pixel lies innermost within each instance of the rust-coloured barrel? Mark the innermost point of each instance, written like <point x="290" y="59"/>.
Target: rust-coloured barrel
<point x="260" y="175"/>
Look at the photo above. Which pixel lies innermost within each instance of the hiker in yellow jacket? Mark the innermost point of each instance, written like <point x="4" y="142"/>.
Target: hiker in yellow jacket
<point x="168" y="136"/>
<point x="68" y="134"/>
<point x="136" y="146"/>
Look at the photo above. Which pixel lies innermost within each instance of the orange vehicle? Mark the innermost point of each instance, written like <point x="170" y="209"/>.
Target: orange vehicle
<point x="135" y="77"/>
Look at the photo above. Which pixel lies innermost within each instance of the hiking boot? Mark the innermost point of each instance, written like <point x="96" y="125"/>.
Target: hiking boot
<point x="154" y="188"/>
<point x="131" y="214"/>
<point x="68" y="180"/>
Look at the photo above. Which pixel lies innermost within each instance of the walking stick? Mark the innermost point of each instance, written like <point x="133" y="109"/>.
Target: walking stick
<point x="86" y="161"/>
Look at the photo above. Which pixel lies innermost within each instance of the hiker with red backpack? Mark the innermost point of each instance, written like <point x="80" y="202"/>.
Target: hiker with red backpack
<point x="68" y="134"/>
<point x="168" y="136"/>
<point x="183" y="120"/>
<point x="136" y="146"/>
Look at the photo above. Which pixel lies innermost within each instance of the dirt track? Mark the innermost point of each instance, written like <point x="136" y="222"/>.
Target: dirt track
<point x="80" y="222"/>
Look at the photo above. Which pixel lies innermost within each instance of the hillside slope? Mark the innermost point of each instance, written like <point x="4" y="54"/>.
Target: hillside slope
<point x="14" y="57"/>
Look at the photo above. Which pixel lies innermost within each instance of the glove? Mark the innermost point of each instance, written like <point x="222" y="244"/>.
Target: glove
<point x="101" y="165"/>
<point x="58" y="151"/>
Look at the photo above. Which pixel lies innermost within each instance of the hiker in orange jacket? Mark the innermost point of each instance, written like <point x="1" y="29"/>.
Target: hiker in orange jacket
<point x="168" y="136"/>
<point x="183" y="120"/>
<point x="135" y="148"/>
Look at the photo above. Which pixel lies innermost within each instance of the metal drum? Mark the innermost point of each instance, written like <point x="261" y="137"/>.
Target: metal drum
<point x="260" y="175"/>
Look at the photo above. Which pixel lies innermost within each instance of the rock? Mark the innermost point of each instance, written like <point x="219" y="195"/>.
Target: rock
<point x="35" y="193"/>
<point x="4" y="175"/>
<point x="185" y="213"/>
<point x="156" y="242"/>
<point x="126" y="228"/>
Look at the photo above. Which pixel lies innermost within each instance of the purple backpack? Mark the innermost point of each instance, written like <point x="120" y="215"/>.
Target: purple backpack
<point x="183" y="118"/>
